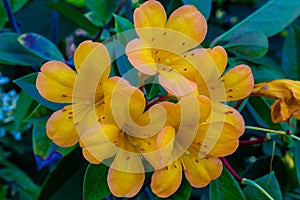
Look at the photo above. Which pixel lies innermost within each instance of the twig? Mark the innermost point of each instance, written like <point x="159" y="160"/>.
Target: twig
<point x="11" y="17"/>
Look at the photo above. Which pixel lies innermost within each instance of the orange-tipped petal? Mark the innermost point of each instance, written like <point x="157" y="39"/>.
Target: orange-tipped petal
<point x="55" y="82"/>
<point x="150" y="14"/>
<point x="140" y="56"/>
<point x="124" y="184"/>
<point x="238" y="82"/>
<point x="189" y="21"/>
<point x="216" y="139"/>
<point x="166" y="181"/>
<point x="200" y="171"/>
<point x="165" y="144"/>
<point x="60" y="128"/>
<point x="89" y="157"/>
<point x="219" y="56"/>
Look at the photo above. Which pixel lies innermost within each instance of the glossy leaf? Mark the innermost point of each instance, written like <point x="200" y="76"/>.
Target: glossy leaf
<point x="266" y="19"/>
<point x="291" y="54"/>
<point x="27" y="83"/>
<point x="124" y="29"/>
<point x="250" y="44"/>
<point x="24" y="106"/>
<point x="3" y="192"/>
<point x="67" y="168"/>
<point x="45" y="151"/>
<point x="40" y="46"/>
<point x="204" y="6"/>
<point x="74" y="15"/>
<point x="269" y="184"/>
<point x="101" y="10"/>
<point x="95" y="182"/>
<point x="13" y="53"/>
<point x="297" y="158"/>
<point x="39" y="115"/>
<point x="225" y="187"/>
<point x="265" y="73"/>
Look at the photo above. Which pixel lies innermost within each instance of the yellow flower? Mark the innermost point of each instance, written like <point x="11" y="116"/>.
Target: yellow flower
<point x="287" y="98"/>
<point x="56" y="82"/>
<point x="125" y="132"/>
<point x="200" y="160"/>
<point x="166" y="48"/>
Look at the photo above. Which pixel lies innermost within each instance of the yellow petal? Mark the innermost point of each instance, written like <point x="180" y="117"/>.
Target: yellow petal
<point x="166" y="181"/>
<point x="93" y="68"/>
<point x="55" y="82"/>
<point x="165" y="144"/>
<point x="200" y="171"/>
<point x="216" y="139"/>
<point x="140" y="56"/>
<point x="175" y="83"/>
<point x="124" y="184"/>
<point x="60" y="128"/>
<point x="238" y="82"/>
<point x="89" y="157"/>
<point x="189" y="21"/>
<point x="101" y="141"/>
<point x="149" y="14"/>
<point x="219" y="56"/>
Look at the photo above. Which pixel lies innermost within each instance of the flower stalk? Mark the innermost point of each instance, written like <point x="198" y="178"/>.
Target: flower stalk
<point x="11" y="17"/>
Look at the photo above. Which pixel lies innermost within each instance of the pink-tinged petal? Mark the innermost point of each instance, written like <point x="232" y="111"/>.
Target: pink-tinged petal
<point x="140" y="56"/>
<point x="150" y="14"/>
<point x="165" y="144"/>
<point x="55" y="82"/>
<point x="101" y="141"/>
<point x="189" y="21"/>
<point x="200" y="171"/>
<point x="175" y="83"/>
<point x="60" y="128"/>
<point x="167" y="180"/>
<point x="124" y="184"/>
<point x="238" y="82"/>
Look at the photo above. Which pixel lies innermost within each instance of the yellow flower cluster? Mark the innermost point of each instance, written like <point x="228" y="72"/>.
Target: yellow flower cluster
<point x="115" y="125"/>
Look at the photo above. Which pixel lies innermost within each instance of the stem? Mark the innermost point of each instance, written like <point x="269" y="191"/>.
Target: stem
<point x="11" y="17"/>
<point x="231" y="170"/>
<point x="295" y="137"/>
<point x="257" y="141"/>
<point x="265" y="130"/>
<point x="54" y="27"/>
<point x="252" y="183"/>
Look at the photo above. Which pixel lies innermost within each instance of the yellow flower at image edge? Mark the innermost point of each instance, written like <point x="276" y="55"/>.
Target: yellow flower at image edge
<point x="166" y="48"/>
<point x="56" y="82"/>
<point x="287" y="98"/>
<point x="200" y="166"/>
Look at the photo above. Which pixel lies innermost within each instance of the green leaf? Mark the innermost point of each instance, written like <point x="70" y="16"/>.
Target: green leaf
<point x="65" y="170"/>
<point x="297" y="158"/>
<point x="12" y="174"/>
<point x="225" y="187"/>
<point x="101" y="10"/>
<point x="3" y="191"/>
<point x="39" y="116"/>
<point x="17" y="4"/>
<point x="27" y="83"/>
<point x="75" y="16"/>
<point x="13" y="53"/>
<point x="265" y="73"/>
<point x="204" y="6"/>
<point x="269" y="183"/>
<point x="266" y="19"/>
<point x="95" y="182"/>
<point x="3" y="16"/>
<point x="250" y="44"/>
<point x="40" y="46"/>
<point x="45" y="151"/>
<point x="124" y="29"/>
<point x="24" y="107"/>
<point x="291" y="54"/>
<point x="291" y="170"/>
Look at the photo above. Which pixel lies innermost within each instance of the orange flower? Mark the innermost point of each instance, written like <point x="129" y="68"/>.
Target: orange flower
<point x="165" y="49"/>
<point x="56" y="82"/>
<point x="287" y="98"/>
<point x="197" y="153"/>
